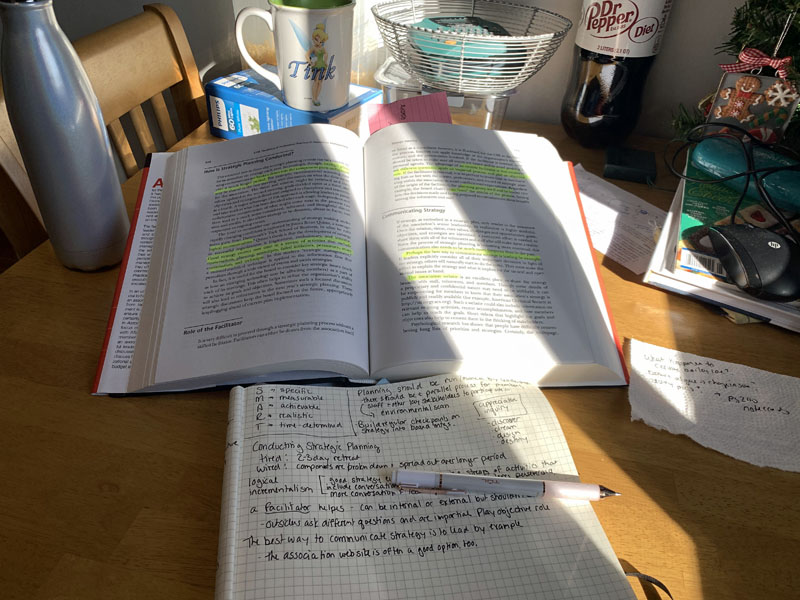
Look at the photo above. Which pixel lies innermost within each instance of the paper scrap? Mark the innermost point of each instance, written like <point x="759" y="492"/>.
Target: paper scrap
<point x="746" y="413"/>
<point x="431" y="108"/>
<point x="622" y="226"/>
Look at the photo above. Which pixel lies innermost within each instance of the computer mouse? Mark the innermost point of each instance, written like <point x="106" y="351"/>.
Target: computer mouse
<point x="761" y="262"/>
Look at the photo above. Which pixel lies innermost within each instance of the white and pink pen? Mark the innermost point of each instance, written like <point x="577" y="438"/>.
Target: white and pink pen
<point x="454" y="483"/>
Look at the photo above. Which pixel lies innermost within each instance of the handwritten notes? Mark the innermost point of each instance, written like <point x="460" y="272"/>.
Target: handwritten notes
<point x="309" y="509"/>
<point x="623" y="226"/>
<point x="747" y="413"/>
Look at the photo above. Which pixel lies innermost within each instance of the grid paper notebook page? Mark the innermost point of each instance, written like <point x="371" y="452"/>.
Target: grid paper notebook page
<point x="309" y="511"/>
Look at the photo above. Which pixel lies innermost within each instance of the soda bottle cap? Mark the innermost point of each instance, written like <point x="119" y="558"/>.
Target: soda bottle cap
<point x="311" y="4"/>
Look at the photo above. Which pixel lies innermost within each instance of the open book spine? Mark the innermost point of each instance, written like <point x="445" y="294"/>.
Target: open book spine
<point x="226" y="554"/>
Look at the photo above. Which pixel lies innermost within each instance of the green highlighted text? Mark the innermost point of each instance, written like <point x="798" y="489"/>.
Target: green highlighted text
<point x="433" y="276"/>
<point x="239" y="256"/>
<point x="471" y="252"/>
<point x="471" y="168"/>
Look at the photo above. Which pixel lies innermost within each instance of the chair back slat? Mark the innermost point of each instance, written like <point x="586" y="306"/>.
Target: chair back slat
<point x="123" y="149"/>
<point x="163" y="119"/>
<point x="142" y="128"/>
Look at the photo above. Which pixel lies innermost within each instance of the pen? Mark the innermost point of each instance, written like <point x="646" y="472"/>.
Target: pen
<point x="454" y="483"/>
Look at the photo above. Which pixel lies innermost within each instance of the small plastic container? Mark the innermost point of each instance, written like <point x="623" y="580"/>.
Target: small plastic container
<point x="465" y="109"/>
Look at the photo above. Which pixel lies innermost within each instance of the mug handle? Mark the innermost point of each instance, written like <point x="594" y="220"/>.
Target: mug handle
<point x="266" y="16"/>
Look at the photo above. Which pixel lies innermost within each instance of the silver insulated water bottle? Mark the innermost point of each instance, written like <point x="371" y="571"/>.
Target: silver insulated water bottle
<point x="62" y="138"/>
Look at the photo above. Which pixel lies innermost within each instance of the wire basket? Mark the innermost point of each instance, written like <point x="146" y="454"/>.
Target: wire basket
<point x="501" y="47"/>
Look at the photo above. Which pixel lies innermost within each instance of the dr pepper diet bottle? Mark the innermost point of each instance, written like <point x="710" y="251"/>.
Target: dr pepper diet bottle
<point x="617" y="41"/>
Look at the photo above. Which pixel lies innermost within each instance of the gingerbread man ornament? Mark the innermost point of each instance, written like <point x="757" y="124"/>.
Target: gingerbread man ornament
<point x="740" y="99"/>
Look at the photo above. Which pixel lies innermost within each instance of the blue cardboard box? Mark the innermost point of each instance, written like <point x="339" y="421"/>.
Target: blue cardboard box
<point x="245" y="103"/>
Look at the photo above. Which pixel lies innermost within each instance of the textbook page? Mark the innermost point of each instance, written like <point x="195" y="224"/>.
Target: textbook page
<point x="309" y="511"/>
<point x="259" y="262"/>
<point x="114" y="367"/>
<point x="479" y="260"/>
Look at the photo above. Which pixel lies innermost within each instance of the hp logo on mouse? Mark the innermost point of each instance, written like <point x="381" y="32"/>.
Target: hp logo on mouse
<point x="773" y="244"/>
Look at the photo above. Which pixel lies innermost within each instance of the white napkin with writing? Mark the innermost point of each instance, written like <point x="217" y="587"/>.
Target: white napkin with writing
<point x="746" y="413"/>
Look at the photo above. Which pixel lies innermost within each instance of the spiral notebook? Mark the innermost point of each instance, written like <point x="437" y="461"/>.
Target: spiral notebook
<point x="309" y="511"/>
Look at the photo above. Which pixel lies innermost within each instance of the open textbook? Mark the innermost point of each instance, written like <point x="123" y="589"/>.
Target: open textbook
<point x="308" y="509"/>
<point x="307" y="253"/>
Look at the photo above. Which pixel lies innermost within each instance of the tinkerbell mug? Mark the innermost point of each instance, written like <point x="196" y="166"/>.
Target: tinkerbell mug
<point x="313" y="48"/>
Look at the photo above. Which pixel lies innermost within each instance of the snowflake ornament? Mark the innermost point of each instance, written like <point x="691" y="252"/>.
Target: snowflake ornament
<point x="781" y="94"/>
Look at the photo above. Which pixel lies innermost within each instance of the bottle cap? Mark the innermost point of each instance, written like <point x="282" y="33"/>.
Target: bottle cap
<point x="311" y="4"/>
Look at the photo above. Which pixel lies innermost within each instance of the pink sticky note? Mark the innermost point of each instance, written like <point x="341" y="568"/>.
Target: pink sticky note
<point x="431" y="108"/>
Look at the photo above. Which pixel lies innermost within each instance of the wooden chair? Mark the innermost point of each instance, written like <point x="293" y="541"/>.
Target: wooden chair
<point x="142" y="65"/>
<point x="20" y="221"/>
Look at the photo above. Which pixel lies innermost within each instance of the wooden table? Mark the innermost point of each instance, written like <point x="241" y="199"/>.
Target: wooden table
<point x="119" y="497"/>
